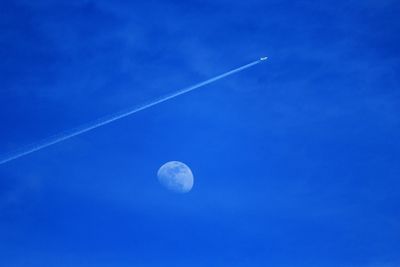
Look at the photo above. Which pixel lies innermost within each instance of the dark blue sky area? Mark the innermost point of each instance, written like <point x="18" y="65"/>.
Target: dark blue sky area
<point x="296" y="160"/>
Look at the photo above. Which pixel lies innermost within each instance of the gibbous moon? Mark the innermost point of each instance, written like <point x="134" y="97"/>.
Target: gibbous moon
<point x="176" y="176"/>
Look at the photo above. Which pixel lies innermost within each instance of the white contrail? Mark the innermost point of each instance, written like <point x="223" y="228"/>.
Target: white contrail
<point x="106" y="120"/>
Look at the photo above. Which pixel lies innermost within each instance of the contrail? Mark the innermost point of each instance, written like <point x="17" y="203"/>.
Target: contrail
<point x="106" y="120"/>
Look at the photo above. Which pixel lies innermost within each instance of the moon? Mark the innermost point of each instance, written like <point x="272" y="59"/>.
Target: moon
<point x="176" y="176"/>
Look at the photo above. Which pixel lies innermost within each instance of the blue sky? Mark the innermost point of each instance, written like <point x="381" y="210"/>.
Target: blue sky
<point x="296" y="160"/>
